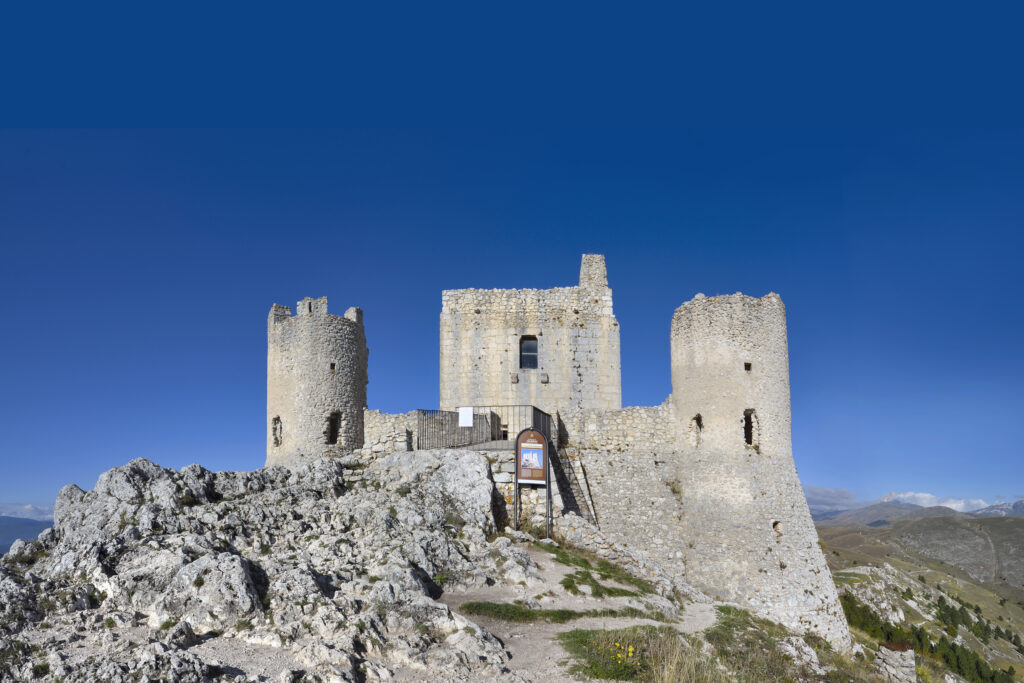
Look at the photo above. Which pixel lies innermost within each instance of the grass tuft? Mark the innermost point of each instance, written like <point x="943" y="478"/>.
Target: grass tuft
<point x="640" y="653"/>
<point x="603" y="568"/>
<point x="517" y="613"/>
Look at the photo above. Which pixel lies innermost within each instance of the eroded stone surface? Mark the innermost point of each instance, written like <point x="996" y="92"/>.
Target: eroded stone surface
<point x="151" y="571"/>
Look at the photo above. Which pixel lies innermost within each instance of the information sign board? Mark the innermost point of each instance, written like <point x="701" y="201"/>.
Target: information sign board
<point x="531" y="458"/>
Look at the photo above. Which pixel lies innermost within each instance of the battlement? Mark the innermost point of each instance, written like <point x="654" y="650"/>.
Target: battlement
<point x="316" y="381"/>
<point x="721" y="305"/>
<point x="312" y="308"/>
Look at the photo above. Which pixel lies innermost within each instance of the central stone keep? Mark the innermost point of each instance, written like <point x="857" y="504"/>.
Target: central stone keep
<point x="557" y="349"/>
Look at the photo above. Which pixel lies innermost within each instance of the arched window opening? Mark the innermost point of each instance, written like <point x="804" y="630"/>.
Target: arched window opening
<point x="528" y="352"/>
<point x="333" y="427"/>
<point x="275" y="431"/>
<point x="696" y="430"/>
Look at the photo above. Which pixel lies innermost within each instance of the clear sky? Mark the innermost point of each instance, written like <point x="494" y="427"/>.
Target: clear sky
<point x="866" y="161"/>
<point x="138" y="269"/>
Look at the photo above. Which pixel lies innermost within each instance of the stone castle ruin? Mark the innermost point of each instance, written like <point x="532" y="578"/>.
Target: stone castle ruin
<point x="704" y="483"/>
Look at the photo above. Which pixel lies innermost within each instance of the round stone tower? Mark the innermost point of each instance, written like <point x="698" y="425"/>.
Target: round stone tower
<point x="730" y="374"/>
<point x="748" y="536"/>
<point x="316" y="382"/>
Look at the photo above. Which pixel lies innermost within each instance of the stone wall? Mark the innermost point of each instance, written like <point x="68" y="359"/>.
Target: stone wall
<point x="577" y="337"/>
<point x="387" y="432"/>
<point x="316" y="381"/>
<point x="628" y="429"/>
<point x="533" y="499"/>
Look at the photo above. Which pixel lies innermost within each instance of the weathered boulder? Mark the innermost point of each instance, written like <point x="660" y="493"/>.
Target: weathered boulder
<point x="207" y="593"/>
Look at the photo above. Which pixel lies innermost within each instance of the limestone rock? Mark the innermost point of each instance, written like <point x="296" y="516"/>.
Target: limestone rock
<point x="336" y="579"/>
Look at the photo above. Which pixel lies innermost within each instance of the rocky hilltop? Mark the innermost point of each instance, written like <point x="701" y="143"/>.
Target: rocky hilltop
<point x="329" y="572"/>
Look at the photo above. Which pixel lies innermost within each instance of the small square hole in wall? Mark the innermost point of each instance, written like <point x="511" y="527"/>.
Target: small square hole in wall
<point x="746" y="366"/>
<point x="332" y="368"/>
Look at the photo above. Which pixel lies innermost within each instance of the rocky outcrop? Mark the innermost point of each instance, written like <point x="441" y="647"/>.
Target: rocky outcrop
<point x="166" y="574"/>
<point x="895" y="664"/>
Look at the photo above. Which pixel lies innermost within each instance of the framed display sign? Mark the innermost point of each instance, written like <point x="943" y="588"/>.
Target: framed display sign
<point x="531" y="458"/>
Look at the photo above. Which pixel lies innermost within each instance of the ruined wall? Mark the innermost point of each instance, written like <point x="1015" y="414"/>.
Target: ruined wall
<point x="578" y="345"/>
<point x="316" y="369"/>
<point x="730" y="516"/>
<point x="388" y="432"/>
<point x="628" y="429"/>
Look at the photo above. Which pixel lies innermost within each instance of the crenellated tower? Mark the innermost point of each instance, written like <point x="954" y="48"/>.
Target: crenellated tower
<point x="316" y="381"/>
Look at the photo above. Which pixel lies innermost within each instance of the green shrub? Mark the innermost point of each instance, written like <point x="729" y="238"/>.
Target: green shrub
<point x="959" y="659"/>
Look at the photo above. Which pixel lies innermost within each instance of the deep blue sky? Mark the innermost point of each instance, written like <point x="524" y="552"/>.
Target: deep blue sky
<point x="139" y="268"/>
<point x="852" y="158"/>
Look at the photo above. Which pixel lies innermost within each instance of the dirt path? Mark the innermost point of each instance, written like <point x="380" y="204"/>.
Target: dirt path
<point x="535" y="653"/>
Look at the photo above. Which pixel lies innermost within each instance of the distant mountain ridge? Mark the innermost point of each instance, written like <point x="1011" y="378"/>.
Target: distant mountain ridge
<point x="884" y="512"/>
<point x="13" y="528"/>
<point x="985" y="543"/>
<point x="881" y="514"/>
<point x="1002" y="510"/>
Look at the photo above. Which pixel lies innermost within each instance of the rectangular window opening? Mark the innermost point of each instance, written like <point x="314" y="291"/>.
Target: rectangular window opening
<point x="748" y="426"/>
<point x="528" y="353"/>
<point x="332" y="368"/>
<point x="746" y="366"/>
<point x="333" y="428"/>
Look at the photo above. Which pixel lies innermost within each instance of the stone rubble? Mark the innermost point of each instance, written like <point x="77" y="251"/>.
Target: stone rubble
<point x="895" y="666"/>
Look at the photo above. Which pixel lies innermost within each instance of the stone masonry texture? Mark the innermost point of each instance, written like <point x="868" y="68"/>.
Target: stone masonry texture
<point x="577" y="340"/>
<point x="703" y="484"/>
<point x="316" y="374"/>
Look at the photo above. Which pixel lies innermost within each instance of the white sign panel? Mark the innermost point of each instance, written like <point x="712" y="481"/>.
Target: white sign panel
<point x="466" y="416"/>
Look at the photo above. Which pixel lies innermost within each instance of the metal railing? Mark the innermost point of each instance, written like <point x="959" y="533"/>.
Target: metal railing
<point x="494" y="427"/>
<point x="574" y="497"/>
